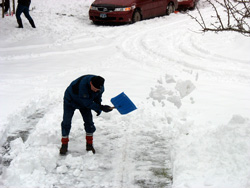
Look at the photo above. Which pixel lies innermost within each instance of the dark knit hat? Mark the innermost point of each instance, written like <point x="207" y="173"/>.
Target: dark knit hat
<point x="97" y="81"/>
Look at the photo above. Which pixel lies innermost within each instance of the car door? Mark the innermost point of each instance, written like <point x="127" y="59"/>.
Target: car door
<point x="160" y="7"/>
<point x="148" y="7"/>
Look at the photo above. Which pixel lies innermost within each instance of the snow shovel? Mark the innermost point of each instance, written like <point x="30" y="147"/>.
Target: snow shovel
<point x="123" y="104"/>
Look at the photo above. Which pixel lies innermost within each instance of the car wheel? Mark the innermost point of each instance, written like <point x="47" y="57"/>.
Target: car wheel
<point x="170" y="8"/>
<point x="136" y="16"/>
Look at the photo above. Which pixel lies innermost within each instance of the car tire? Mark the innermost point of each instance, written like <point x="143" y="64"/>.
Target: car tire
<point x="136" y="16"/>
<point x="170" y="8"/>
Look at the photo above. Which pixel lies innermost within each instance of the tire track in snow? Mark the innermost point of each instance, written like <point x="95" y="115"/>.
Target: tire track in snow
<point x="180" y="50"/>
<point x="194" y="50"/>
<point x="142" y="153"/>
<point x="135" y="47"/>
<point x="76" y="45"/>
<point x="54" y="53"/>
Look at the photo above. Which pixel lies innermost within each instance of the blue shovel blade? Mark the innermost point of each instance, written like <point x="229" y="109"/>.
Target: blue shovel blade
<point x="123" y="104"/>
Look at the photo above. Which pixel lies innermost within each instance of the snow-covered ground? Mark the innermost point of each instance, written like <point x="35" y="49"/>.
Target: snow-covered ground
<point x="192" y="91"/>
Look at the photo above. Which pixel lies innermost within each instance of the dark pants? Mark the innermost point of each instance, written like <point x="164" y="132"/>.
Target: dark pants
<point x="23" y="9"/>
<point x="6" y="5"/>
<point x="68" y="112"/>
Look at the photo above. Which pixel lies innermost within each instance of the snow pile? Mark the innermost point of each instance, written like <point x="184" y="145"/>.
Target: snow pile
<point x="224" y="151"/>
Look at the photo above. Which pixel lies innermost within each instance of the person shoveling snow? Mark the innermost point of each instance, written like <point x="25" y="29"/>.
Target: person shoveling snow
<point x="85" y="94"/>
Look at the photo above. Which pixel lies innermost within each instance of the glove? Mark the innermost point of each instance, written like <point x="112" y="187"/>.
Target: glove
<point x="106" y="108"/>
<point x="98" y="113"/>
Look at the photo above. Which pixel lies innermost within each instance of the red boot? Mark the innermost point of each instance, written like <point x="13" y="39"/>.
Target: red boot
<point x="64" y="147"/>
<point x="89" y="143"/>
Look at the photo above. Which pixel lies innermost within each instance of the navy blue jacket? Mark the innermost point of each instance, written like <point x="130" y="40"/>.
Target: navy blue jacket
<point x="80" y="95"/>
<point x="24" y="2"/>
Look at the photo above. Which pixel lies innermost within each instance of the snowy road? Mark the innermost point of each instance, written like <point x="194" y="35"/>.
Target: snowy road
<point x="191" y="128"/>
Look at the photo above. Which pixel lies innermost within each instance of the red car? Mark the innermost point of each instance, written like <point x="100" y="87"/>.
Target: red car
<point x="187" y="4"/>
<point x="129" y="11"/>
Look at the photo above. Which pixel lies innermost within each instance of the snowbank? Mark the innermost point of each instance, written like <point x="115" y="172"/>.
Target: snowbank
<point x="223" y="150"/>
